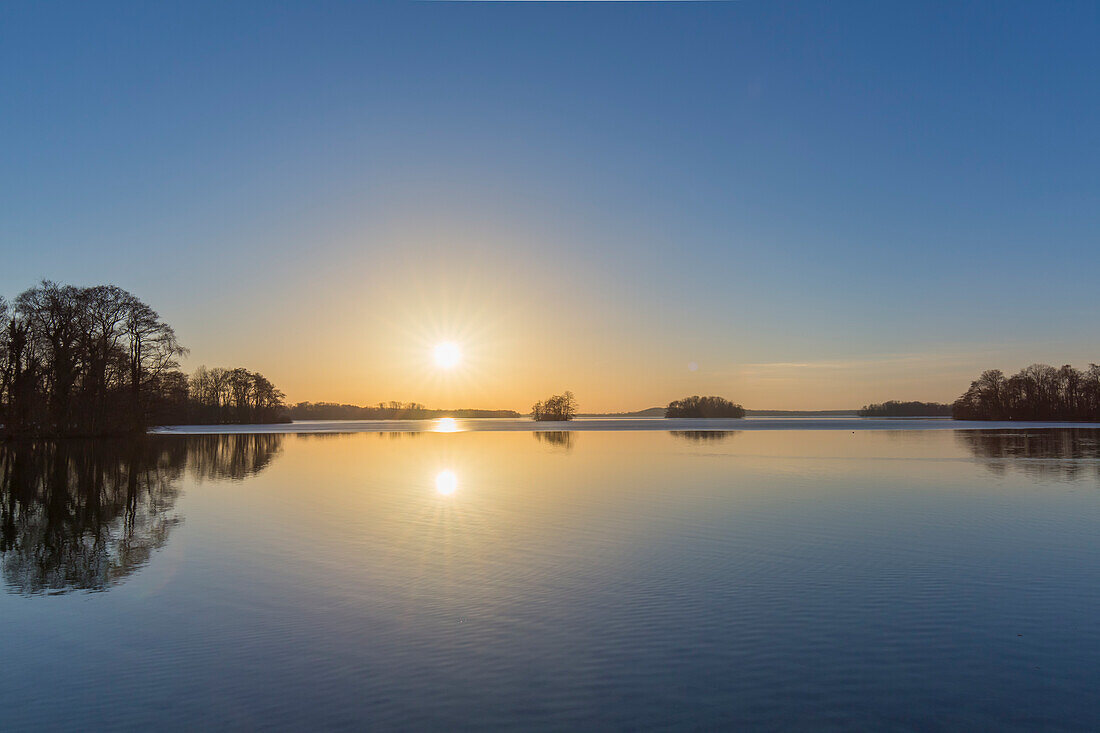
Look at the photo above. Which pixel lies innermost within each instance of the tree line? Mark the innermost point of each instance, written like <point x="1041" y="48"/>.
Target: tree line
<point x="1037" y="392"/>
<point x="894" y="408"/>
<point x="384" y="411"/>
<point x="230" y="396"/>
<point x="96" y="361"/>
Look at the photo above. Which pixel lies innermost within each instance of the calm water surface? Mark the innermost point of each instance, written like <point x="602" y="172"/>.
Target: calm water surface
<point x="583" y="580"/>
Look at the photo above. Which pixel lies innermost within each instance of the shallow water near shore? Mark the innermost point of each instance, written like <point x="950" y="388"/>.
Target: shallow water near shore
<point x="760" y="578"/>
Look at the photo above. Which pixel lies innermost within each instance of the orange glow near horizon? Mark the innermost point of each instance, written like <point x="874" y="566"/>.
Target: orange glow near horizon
<point x="449" y="332"/>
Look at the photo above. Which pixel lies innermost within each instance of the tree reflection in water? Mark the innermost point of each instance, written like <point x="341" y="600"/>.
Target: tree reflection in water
<point x="84" y="515"/>
<point x="233" y="457"/>
<point x="1060" y="453"/>
<point x="556" y="438"/>
<point x="702" y="436"/>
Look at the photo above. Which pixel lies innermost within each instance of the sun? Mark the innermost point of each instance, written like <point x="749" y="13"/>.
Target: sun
<point x="447" y="354"/>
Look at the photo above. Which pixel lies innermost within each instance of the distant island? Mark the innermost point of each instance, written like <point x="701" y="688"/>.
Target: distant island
<point x="660" y="412"/>
<point x="648" y="412"/>
<point x="893" y="408"/>
<point x="558" y="408"/>
<point x="385" y="411"/>
<point x="1037" y="392"/>
<point x="702" y="407"/>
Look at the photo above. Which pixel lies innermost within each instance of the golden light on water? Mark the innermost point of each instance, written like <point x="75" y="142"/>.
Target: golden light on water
<point x="447" y="355"/>
<point x="445" y="425"/>
<point x="446" y="483"/>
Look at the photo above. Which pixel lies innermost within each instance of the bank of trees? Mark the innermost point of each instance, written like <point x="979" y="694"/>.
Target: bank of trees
<point x="1038" y="392"/>
<point x="557" y="408"/>
<point x="95" y="361"/>
<point x="82" y="361"/>
<point x="236" y="395"/>
<point x="696" y="406"/>
<point x="893" y="408"/>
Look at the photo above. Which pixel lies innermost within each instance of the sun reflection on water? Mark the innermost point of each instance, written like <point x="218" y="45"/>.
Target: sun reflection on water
<point x="446" y="483"/>
<point x="446" y="425"/>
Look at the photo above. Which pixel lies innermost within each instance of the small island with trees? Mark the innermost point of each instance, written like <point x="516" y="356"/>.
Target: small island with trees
<point x="702" y="407"/>
<point x="559" y="408"/>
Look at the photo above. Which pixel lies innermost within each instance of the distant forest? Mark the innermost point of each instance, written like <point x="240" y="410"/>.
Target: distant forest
<point x="893" y="408"/>
<point x="1038" y="392"/>
<point x="384" y="411"/>
<point x="98" y="361"/>
<point x="696" y="406"/>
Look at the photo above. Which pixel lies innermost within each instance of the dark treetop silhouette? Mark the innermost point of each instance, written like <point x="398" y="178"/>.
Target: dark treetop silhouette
<point x="98" y="361"/>
<point x="696" y="406"/>
<point x="893" y="408"/>
<point x="1038" y="392"/>
<point x="559" y="407"/>
<point x="229" y="396"/>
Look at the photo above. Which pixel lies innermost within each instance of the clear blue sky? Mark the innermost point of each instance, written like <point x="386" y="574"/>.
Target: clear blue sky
<point x="813" y="204"/>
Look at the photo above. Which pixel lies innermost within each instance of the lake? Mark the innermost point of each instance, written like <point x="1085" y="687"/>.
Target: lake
<point x="776" y="578"/>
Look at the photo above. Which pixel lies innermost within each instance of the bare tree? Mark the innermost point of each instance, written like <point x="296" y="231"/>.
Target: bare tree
<point x="1037" y="392"/>
<point x="559" y="407"/>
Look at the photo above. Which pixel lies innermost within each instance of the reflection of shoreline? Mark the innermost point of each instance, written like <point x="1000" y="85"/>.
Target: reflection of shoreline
<point x="84" y="515"/>
<point x="1041" y="453"/>
<point x="703" y="436"/>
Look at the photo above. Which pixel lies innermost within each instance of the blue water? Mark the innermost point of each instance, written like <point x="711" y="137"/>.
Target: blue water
<point x="767" y="579"/>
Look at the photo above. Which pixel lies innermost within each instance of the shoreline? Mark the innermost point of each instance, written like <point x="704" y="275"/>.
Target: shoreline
<point x="458" y="425"/>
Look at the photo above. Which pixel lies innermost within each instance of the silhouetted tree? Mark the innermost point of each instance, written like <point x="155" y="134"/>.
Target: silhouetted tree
<point x="1037" y="392"/>
<point x="81" y="361"/>
<point x="98" y="361"/>
<point x="696" y="406"/>
<point x="559" y="407"/>
<point x="217" y="396"/>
